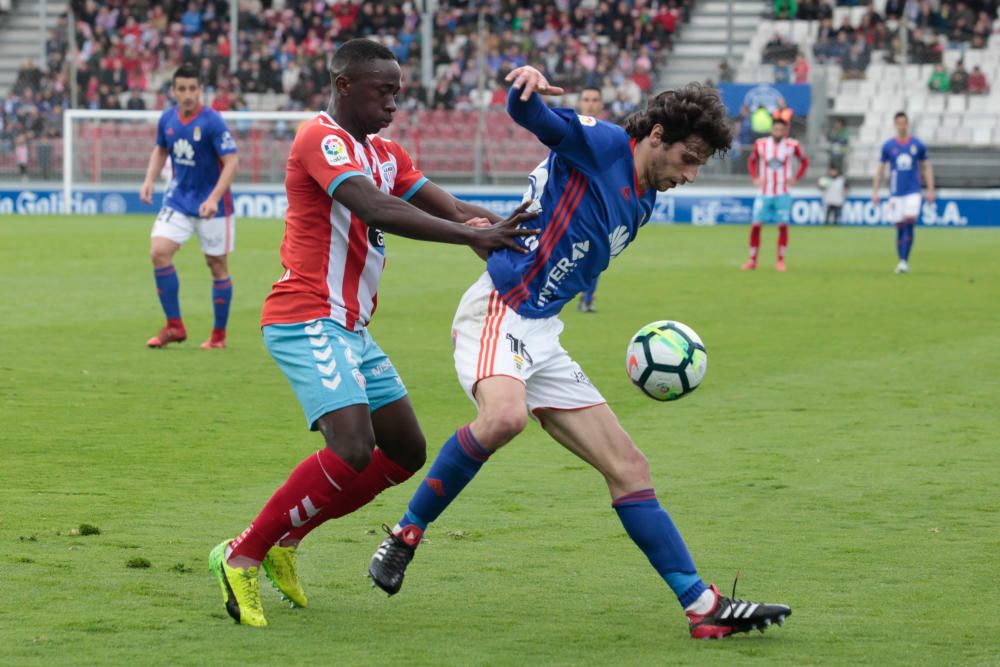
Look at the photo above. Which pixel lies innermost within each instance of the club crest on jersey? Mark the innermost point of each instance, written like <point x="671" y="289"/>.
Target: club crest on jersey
<point x="388" y="173"/>
<point x="589" y="121"/>
<point x="334" y="150"/>
<point x="197" y="132"/>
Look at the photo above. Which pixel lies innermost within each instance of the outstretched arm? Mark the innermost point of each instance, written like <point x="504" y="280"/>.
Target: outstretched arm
<point x="528" y="110"/>
<point x="393" y="215"/>
<point x="436" y="201"/>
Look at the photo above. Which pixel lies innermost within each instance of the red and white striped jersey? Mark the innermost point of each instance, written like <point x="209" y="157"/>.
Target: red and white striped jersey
<point x="333" y="261"/>
<point x="771" y="162"/>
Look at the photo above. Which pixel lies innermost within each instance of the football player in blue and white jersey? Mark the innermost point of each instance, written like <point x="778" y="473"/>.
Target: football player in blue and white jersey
<point x="596" y="190"/>
<point x="907" y="159"/>
<point x="197" y="201"/>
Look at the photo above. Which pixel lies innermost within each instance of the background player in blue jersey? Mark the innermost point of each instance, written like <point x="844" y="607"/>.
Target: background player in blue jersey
<point x="597" y="189"/>
<point x="197" y="201"/>
<point x="590" y="104"/>
<point x="907" y="158"/>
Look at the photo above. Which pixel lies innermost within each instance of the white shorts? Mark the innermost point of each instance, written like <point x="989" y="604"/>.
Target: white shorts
<point x="904" y="207"/>
<point x="216" y="235"/>
<point x="491" y="339"/>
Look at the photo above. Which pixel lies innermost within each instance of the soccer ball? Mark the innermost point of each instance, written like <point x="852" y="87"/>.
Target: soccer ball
<point x="666" y="360"/>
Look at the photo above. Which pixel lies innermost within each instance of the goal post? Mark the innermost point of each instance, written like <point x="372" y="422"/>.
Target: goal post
<point x="110" y="148"/>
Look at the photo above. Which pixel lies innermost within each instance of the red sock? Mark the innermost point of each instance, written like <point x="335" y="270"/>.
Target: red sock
<point x="312" y="486"/>
<point x="175" y="323"/>
<point x="782" y="242"/>
<point x="754" y="241"/>
<point x="380" y="474"/>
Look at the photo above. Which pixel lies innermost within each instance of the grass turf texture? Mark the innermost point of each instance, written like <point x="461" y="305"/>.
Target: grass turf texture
<point x="841" y="453"/>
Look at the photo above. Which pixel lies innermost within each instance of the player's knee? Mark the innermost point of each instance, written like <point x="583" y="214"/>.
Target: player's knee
<point x="353" y="448"/>
<point x="413" y="455"/>
<point x="498" y="427"/>
<point x="630" y="467"/>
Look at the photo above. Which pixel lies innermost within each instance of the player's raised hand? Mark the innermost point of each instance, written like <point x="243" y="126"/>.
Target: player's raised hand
<point x="529" y="80"/>
<point x="208" y="209"/>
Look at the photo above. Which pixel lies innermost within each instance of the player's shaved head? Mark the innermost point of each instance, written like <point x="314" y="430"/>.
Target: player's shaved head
<point x="354" y="58"/>
<point x="693" y="110"/>
<point x="366" y="79"/>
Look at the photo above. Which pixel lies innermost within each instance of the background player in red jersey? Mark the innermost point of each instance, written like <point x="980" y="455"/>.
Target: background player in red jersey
<point x="770" y="166"/>
<point x="197" y="201"/>
<point x="345" y="186"/>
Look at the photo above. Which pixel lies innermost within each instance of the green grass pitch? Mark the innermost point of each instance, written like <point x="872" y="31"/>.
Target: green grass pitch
<point x="841" y="454"/>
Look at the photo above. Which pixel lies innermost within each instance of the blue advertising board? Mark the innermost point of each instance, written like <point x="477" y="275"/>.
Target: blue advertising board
<point x="956" y="208"/>
<point x="736" y="95"/>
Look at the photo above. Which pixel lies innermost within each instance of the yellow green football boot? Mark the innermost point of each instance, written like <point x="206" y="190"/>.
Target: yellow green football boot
<point x="240" y="588"/>
<point x="282" y="569"/>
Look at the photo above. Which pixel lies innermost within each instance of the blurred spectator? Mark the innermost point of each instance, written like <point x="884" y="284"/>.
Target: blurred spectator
<point x="939" y="81"/>
<point x="135" y="101"/>
<point x="777" y="48"/>
<point x="725" y="74"/>
<point x="782" y="71"/>
<point x="838" y="138"/>
<point x="801" y="69"/>
<point x="959" y="80"/>
<point x="21" y="155"/>
<point x="761" y="122"/>
<point x="783" y="112"/>
<point x="856" y="62"/>
<point x="978" y="85"/>
<point x="834" y="188"/>
<point x="786" y="9"/>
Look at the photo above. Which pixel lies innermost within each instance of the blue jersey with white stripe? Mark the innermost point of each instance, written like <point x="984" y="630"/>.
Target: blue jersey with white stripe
<point x="196" y="147"/>
<point x="591" y="209"/>
<point x="904" y="165"/>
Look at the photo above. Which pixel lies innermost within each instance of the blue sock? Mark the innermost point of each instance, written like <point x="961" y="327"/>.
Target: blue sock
<point x="908" y="240"/>
<point x="455" y="466"/>
<point x="222" y="296"/>
<point x="651" y="528"/>
<point x="899" y="240"/>
<point x="168" y="286"/>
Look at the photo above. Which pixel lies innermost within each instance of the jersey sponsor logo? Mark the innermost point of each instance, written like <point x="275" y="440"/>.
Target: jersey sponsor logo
<point x="227" y="143"/>
<point x="184" y="152"/>
<point x="588" y="121"/>
<point x="197" y="133"/>
<point x="334" y="150"/>
<point x="775" y="164"/>
<point x="618" y="239"/>
<point x="563" y="268"/>
<point x="904" y="162"/>
<point x="376" y="239"/>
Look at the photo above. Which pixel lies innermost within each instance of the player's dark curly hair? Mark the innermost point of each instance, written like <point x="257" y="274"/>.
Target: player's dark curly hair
<point x="692" y="109"/>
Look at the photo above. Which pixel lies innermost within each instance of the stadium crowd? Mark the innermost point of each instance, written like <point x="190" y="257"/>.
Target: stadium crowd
<point x="934" y="25"/>
<point x="127" y="49"/>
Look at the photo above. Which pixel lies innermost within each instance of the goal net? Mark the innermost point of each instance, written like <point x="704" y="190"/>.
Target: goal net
<point x="108" y="150"/>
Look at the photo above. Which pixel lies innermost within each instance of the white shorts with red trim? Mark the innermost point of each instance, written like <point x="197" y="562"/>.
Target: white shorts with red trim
<point x="491" y="339"/>
<point x="903" y="207"/>
<point x="216" y="235"/>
